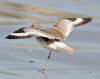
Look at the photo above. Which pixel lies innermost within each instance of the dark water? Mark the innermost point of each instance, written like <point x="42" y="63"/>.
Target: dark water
<point x="20" y="59"/>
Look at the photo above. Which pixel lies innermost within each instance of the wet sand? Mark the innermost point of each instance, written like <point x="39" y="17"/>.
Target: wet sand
<point x="21" y="59"/>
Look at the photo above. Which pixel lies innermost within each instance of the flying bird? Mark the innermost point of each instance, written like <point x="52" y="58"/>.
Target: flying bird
<point x="51" y="38"/>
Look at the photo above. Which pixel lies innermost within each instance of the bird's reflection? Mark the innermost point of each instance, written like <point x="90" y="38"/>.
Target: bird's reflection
<point x="44" y="74"/>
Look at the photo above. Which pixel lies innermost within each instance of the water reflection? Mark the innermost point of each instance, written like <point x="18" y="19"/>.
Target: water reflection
<point x="12" y="74"/>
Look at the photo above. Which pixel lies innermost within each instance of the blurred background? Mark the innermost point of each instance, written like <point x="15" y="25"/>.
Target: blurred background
<point x="20" y="59"/>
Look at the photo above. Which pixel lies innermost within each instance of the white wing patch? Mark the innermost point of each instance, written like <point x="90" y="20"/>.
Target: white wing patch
<point x="69" y="29"/>
<point x="22" y="34"/>
<point x="77" y="21"/>
<point x="70" y="25"/>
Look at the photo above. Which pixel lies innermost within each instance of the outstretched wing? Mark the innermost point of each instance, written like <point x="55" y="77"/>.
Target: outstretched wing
<point x="59" y="31"/>
<point x="19" y="34"/>
<point x="33" y="31"/>
<point x="66" y="25"/>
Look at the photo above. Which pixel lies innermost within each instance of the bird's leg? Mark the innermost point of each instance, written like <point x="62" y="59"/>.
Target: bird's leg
<point x="44" y="67"/>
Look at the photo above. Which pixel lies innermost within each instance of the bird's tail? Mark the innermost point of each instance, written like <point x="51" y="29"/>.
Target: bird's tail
<point x="64" y="48"/>
<point x="61" y="47"/>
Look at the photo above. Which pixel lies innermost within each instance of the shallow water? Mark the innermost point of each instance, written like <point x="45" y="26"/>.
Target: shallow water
<point x="20" y="59"/>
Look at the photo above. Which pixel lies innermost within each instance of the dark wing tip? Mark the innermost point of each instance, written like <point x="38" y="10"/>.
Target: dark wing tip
<point x="71" y="19"/>
<point x="18" y="37"/>
<point x="8" y="37"/>
<point x="87" y="19"/>
<point x="21" y="30"/>
<point x="11" y="37"/>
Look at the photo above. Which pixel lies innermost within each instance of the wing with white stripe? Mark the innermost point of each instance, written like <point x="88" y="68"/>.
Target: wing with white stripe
<point x="29" y="32"/>
<point x="66" y="25"/>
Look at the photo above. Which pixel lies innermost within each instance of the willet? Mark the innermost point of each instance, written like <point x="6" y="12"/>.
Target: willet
<point x="51" y="38"/>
